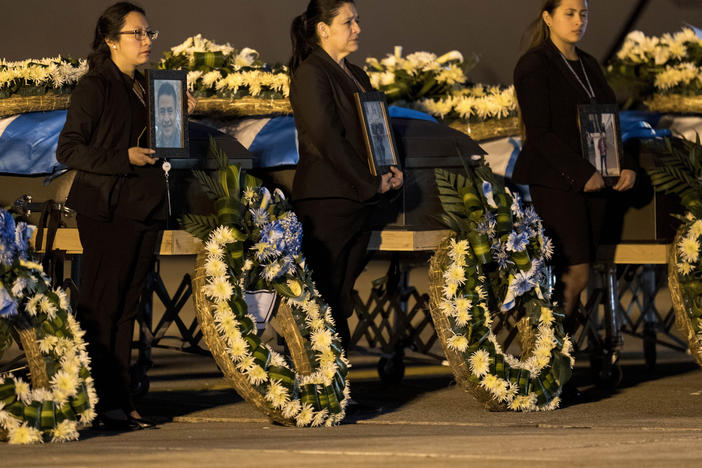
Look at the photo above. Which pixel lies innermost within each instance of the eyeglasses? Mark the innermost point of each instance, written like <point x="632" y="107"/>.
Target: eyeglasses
<point x="141" y="34"/>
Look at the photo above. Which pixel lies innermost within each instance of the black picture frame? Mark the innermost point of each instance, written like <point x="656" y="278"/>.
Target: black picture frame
<point x="377" y="132"/>
<point x="167" y="105"/>
<point x="601" y="139"/>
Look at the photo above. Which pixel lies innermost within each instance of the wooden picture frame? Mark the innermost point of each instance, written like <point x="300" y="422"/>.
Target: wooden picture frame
<point x="377" y="132"/>
<point x="601" y="139"/>
<point x="167" y="105"/>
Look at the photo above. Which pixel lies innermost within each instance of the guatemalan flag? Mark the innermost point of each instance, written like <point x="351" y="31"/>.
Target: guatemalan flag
<point x="28" y="141"/>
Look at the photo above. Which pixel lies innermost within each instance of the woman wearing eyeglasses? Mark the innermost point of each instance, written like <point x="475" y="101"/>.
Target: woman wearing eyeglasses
<point x="119" y="195"/>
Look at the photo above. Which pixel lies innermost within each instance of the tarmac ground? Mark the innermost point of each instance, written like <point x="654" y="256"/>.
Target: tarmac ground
<point x="652" y="419"/>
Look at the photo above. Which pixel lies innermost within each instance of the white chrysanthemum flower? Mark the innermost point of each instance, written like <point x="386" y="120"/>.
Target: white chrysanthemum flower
<point x="277" y="394"/>
<point x="521" y="403"/>
<point x="463" y="317"/>
<point x="684" y="267"/>
<point x="47" y="307"/>
<point x="23" y="390"/>
<point x="214" y="249"/>
<point x="291" y="409"/>
<point x="25" y="435"/>
<point x="223" y="235"/>
<point x="18" y="286"/>
<point x="215" y="267"/>
<point x="479" y="363"/>
<point x="64" y="385"/>
<point x="65" y="431"/>
<point x="458" y="343"/>
<point x="455" y="274"/>
<point x="449" y="290"/>
<point x="689" y="248"/>
<point x="246" y="364"/>
<point x="47" y="344"/>
<point x="257" y="375"/>
<point x="319" y="418"/>
<point x="304" y="417"/>
<point x="63" y="298"/>
<point x="219" y="289"/>
<point x="321" y="340"/>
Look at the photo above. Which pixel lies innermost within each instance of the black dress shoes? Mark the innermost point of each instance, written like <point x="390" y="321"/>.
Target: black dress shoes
<point x="121" y="424"/>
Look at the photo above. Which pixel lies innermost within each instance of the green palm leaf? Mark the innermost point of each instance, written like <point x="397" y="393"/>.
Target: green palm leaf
<point x="199" y="226"/>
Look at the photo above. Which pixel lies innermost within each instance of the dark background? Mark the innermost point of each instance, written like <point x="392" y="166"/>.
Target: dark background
<point x="492" y="28"/>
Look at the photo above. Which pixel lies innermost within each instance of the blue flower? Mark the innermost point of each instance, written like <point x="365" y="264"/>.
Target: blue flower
<point x="7" y="238"/>
<point x="517" y="242"/>
<point x="23" y="232"/>
<point x="8" y="306"/>
<point x="500" y="255"/>
<point x="521" y="284"/>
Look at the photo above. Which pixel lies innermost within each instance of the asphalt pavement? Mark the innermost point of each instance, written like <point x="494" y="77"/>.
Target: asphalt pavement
<point x="651" y="419"/>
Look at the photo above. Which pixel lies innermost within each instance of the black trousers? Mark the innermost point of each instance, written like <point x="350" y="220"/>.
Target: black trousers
<point x="117" y="255"/>
<point x="335" y="240"/>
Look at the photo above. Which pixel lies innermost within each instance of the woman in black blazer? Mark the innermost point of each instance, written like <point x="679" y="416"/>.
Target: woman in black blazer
<point x="333" y="190"/>
<point x="119" y="196"/>
<point x="551" y="79"/>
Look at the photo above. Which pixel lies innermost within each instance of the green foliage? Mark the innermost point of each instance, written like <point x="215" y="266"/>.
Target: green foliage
<point x="199" y="226"/>
<point x="679" y="172"/>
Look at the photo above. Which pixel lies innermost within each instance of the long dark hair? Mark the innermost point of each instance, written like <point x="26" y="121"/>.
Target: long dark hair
<point x="303" y="31"/>
<point x="108" y="26"/>
<point x="537" y="31"/>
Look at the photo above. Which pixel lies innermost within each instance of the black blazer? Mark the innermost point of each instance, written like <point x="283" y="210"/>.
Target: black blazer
<point x="99" y="130"/>
<point x="548" y="96"/>
<point x="333" y="159"/>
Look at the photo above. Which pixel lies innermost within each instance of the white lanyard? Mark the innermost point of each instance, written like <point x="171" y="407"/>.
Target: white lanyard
<point x="588" y="90"/>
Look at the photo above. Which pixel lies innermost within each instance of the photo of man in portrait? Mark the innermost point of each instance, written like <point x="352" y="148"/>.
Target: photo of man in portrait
<point x="168" y="104"/>
<point x="380" y="139"/>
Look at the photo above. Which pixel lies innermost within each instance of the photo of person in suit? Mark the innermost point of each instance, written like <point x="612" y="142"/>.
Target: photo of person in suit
<point x="334" y="192"/>
<point x="380" y="140"/>
<point x="168" y="103"/>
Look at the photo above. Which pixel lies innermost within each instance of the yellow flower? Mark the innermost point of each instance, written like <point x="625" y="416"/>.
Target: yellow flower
<point x="295" y="286"/>
<point x="546" y="316"/>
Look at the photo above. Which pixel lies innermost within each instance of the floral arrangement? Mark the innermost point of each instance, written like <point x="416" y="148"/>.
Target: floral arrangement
<point x="27" y="302"/>
<point x="417" y="76"/>
<point x="220" y="70"/>
<point x="680" y="172"/>
<point x="669" y="64"/>
<point x="496" y="263"/>
<point x="35" y="77"/>
<point x="254" y="243"/>
<point x="439" y="86"/>
<point x="477" y="103"/>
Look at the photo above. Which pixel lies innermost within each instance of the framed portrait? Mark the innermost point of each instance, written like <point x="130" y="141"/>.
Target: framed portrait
<point x="377" y="132"/>
<point x="167" y="105"/>
<point x="601" y="139"/>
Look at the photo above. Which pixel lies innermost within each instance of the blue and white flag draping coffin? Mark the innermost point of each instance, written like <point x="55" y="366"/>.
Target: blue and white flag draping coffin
<point x="273" y="140"/>
<point x="28" y="142"/>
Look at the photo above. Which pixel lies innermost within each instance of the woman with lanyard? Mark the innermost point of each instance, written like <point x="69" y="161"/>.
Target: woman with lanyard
<point x="119" y="194"/>
<point x="333" y="190"/>
<point x="551" y="80"/>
